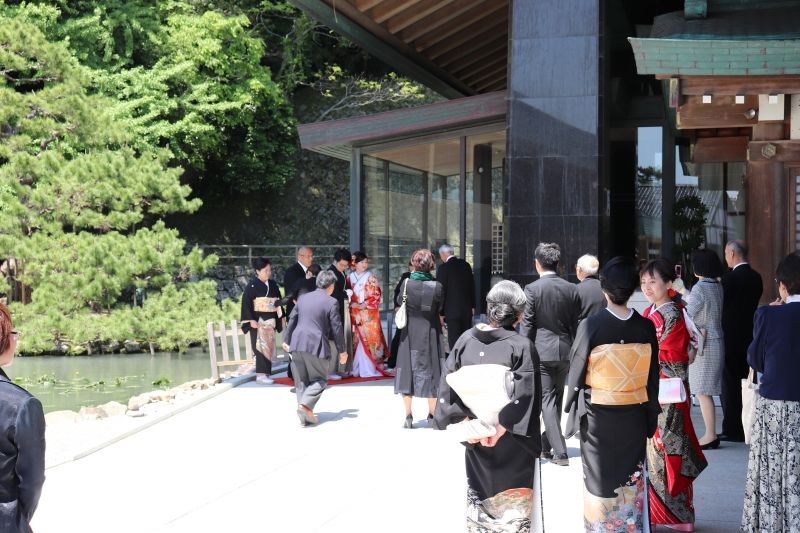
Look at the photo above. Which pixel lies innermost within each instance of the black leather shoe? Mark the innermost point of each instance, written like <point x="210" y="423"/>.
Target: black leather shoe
<point x="713" y="445"/>
<point x="731" y="438"/>
<point x="409" y="423"/>
<point x="561" y="459"/>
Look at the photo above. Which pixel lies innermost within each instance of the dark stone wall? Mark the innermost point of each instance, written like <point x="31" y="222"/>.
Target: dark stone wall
<point x="554" y="144"/>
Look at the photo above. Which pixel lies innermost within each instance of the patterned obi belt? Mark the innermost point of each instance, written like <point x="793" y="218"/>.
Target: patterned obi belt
<point x="617" y="373"/>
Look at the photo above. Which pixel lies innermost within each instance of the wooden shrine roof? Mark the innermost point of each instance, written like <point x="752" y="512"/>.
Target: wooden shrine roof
<point x="455" y="47"/>
<point x="337" y="137"/>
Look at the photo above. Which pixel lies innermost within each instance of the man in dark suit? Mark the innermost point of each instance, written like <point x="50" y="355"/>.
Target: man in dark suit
<point x="341" y="260"/>
<point x="295" y="274"/>
<point x="742" y="288"/>
<point x="458" y="286"/>
<point x="550" y="321"/>
<point x="314" y="320"/>
<point x="589" y="291"/>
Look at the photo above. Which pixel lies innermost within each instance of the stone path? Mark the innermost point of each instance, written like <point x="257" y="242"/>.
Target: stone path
<point x="239" y="462"/>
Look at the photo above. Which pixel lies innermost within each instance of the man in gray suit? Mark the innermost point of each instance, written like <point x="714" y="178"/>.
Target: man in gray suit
<point x="313" y="321"/>
<point x="550" y="321"/>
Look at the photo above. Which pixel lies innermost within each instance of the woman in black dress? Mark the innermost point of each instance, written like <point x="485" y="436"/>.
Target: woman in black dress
<point x="258" y="302"/>
<point x="420" y="354"/>
<point x="503" y="492"/>
<point x="613" y="402"/>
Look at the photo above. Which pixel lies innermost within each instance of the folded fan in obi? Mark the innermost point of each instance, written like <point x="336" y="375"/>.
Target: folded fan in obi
<point x="485" y="390"/>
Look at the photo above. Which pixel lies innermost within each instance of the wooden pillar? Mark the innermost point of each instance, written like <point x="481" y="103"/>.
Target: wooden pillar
<point x="766" y="218"/>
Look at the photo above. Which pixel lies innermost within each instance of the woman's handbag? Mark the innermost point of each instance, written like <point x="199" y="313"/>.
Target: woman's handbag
<point x="671" y="390"/>
<point x="401" y="316"/>
<point x="749" y="396"/>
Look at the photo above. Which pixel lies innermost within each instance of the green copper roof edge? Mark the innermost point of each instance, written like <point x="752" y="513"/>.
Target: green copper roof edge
<point x="712" y="39"/>
<point x="715" y="57"/>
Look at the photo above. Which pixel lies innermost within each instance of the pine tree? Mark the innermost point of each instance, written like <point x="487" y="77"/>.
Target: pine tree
<point x="81" y="200"/>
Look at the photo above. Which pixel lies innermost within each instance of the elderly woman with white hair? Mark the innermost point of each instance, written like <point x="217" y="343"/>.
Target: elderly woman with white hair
<point x="502" y="468"/>
<point x="589" y="291"/>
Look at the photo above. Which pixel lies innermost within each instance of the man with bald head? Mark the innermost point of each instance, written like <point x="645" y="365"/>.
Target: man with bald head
<point x="741" y="291"/>
<point x="294" y="276"/>
<point x="589" y="291"/>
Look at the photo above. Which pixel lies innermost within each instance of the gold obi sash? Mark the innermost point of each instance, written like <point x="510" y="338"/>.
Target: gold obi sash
<point x="617" y="373"/>
<point x="263" y="304"/>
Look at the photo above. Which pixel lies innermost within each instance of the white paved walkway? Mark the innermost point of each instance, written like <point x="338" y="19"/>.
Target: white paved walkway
<point x="240" y="463"/>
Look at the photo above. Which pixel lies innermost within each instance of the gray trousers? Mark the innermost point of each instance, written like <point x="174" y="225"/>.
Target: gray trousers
<point x="310" y="377"/>
<point x="554" y="377"/>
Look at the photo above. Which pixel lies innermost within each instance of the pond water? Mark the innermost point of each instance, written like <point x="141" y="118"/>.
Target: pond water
<point x="71" y="382"/>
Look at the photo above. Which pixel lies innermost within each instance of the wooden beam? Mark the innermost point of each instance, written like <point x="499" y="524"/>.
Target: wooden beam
<point x="435" y="20"/>
<point x="464" y="51"/>
<point x="458" y="24"/>
<point x="733" y="85"/>
<point x="415" y="14"/>
<point x="720" y="149"/>
<point x="389" y="8"/>
<point x="722" y="112"/>
<point x="785" y="151"/>
<point x="365" y="5"/>
<point x="489" y="50"/>
<point x="487" y="71"/>
<point x="494" y="24"/>
<point x="492" y="85"/>
<point x="767" y="131"/>
<point x="766" y="225"/>
<point x="501" y="55"/>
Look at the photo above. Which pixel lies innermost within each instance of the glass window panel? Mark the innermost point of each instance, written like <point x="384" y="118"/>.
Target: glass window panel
<point x="719" y="187"/>
<point x="484" y="205"/>
<point x="375" y="221"/>
<point x="648" y="192"/>
<point x="421" y="205"/>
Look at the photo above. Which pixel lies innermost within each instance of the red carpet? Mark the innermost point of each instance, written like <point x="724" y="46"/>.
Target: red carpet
<point x="343" y="381"/>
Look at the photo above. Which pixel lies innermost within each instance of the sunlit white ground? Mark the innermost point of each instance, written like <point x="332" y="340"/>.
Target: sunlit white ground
<point x="240" y="462"/>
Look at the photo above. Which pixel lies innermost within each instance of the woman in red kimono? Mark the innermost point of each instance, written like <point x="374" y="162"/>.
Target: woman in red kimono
<point x="674" y="457"/>
<point x="365" y="299"/>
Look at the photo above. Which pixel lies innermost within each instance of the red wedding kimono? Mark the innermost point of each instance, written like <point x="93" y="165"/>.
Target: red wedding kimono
<point x="369" y="345"/>
<point x="674" y="457"/>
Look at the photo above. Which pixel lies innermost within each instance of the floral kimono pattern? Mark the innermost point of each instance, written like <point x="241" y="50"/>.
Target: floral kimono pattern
<point x="366" y="322"/>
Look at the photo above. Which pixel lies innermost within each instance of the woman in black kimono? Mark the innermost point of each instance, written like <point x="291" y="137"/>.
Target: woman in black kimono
<point x="420" y="353"/>
<point x="503" y="493"/>
<point x="613" y="402"/>
<point x="259" y="295"/>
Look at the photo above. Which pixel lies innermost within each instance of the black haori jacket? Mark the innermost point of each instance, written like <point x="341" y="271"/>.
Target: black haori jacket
<point x="21" y="456"/>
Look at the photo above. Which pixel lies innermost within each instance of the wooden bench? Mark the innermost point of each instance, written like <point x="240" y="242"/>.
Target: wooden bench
<point x="218" y="335"/>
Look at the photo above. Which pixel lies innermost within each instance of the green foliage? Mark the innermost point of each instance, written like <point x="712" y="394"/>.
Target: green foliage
<point x="187" y="76"/>
<point x="689" y="222"/>
<point x="80" y="205"/>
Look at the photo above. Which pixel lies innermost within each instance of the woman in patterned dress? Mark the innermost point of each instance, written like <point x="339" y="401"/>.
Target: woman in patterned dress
<point x="674" y="457"/>
<point x="772" y="490"/>
<point x="613" y="405"/>
<point x="365" y="316"/>
<point x="705" y="309"/>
